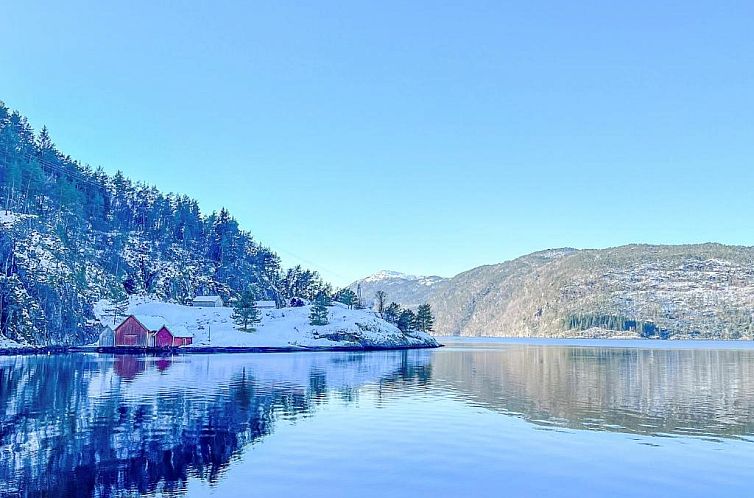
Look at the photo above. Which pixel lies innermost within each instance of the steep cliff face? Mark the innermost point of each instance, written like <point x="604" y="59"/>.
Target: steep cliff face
<point x="688" y="291"/>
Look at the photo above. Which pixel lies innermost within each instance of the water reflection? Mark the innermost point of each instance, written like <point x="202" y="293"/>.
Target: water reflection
<point x="89" y="425"/>
<point x="86" y="425"/>
<point x="697" y="392"/>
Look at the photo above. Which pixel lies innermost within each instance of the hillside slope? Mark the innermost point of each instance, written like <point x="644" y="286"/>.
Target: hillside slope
<point x="686" y="291"/>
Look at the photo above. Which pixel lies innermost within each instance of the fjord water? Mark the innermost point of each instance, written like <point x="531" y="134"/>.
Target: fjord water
<point x="486" y="418"/>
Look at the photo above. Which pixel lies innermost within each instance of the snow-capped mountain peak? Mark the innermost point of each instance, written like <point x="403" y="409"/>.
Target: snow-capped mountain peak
<point x="405" y="289"/>
<point x="383" y="275"/>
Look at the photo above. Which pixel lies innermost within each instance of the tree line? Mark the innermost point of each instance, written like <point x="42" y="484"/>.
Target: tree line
<point x="246" y="314"/>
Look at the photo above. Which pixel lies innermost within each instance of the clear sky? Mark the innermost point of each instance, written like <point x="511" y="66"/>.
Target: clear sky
<point x="426" y="137"/>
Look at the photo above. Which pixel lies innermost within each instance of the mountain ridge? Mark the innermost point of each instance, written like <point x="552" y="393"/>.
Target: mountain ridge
<point x="701" y="290"/>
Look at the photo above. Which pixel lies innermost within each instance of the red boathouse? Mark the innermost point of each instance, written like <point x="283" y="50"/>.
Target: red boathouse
<point x="132" y="333"/>
<point x="164" y="338"/>
<point x="150" y="332"/>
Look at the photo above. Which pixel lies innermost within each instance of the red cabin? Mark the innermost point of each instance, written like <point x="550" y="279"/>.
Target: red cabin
<point x="132" y="333"/>
<point x="182" y="341"/>
<point x="163" y="338"/>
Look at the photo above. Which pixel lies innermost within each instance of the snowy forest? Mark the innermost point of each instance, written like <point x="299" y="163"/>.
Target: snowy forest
<point x="71" y="234"/>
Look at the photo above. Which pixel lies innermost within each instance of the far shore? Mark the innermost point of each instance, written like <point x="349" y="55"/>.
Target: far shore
<point x="598" y="342"/>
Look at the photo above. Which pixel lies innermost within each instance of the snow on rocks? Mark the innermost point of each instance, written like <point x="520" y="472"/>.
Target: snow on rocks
<point x="6" y="343"/>
<point x="279" y="328"/>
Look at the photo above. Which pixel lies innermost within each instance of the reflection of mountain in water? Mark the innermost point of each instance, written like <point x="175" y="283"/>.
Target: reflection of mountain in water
<point x="643" y="391"/>
<point x="85" y="425"/>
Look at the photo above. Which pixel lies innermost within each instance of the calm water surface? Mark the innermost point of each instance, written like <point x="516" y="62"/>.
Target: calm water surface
<point x="489" y="418"/>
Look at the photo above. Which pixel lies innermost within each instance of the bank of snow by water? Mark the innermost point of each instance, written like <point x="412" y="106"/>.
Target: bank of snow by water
<point x="279" y="328"/>
<point x="6" y="343"/>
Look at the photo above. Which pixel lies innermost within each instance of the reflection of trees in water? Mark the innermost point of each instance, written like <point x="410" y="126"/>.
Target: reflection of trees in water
<point x="57" y="439"/>
<point x="702" y="392"/>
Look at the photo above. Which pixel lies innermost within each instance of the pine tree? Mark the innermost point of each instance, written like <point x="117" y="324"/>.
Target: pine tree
<point x="424" y="318"/>
<point x="392" y="312"/>
<point x="318" y="315"/>
<point x="118" y="307"/>
<point x="347" y="297"/>
<point x="245" y="311"/>
<point x="407" y="320"/>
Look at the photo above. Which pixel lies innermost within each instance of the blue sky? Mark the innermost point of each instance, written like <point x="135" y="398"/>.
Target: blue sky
<point x="425" y="137"/>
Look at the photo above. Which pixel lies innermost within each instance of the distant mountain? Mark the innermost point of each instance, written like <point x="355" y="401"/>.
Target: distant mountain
<point x="686" y="291"/>
<point x="409" y="290"/>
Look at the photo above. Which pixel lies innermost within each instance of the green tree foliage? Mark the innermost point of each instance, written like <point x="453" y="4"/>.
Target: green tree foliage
<point x="319" y="312"/>
<point x="424" y="318"/>
<point x="347" y="297"/>
<point x="407" y="320"/>
<point x="245" y="311"/>
<point x="392" y="312"/>
<point x="585" y="321"/>
<point x="304" y="284"/>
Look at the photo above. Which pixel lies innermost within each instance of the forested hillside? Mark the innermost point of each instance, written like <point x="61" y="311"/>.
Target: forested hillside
<point x="663" y="292"/>
<point x="71" y="234"/>
<point x="686" y="291"/>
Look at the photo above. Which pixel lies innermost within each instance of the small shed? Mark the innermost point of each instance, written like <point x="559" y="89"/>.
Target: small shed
<point x="181" y="337"/>
<point x="266" y="305"/>
<point x="165" y="338"/>
<point x="207" y="302"/>
<point x="106" y="337"/>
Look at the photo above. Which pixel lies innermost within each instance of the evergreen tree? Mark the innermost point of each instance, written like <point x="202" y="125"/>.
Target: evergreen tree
<point x="118" y="307"/>
<point x="424" y="318"/>
<point x="319" y="312"/>
<point x="392" y="312"/>
<point x="347" y="297"/>
<point x="245" y="311"/>
<point x="407" y="320"/>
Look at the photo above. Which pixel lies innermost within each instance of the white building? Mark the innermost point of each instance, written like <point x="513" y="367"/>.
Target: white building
<point x="106" y="337"/>
<point x="266" y="305"/>
<point x="207" y="302"/>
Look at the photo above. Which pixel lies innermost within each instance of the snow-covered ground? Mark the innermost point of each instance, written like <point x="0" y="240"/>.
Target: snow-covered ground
<point x="6" y="343"/>
<point x="279" y="328"/>
<point x="9" y="218"/>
